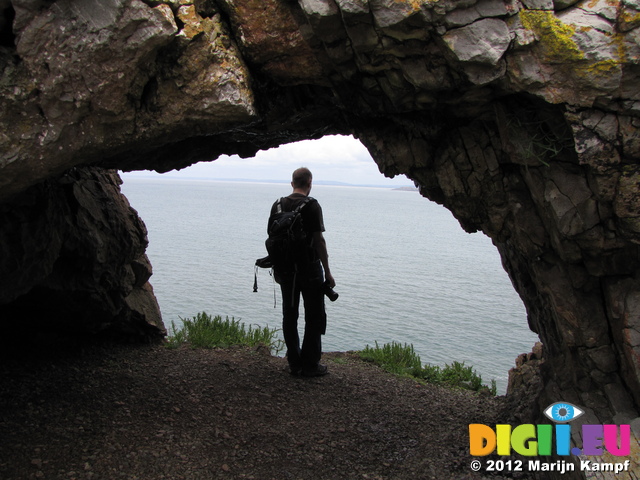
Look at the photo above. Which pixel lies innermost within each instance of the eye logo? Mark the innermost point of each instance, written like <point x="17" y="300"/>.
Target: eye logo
<point x="539" y="440"/>
<point x="563" y="412"/>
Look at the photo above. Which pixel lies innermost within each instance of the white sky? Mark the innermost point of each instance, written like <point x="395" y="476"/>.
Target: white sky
<point x="331" y="158"/>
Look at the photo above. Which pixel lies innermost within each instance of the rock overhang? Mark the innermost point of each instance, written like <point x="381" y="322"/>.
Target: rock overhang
<point x="115" y="78"/>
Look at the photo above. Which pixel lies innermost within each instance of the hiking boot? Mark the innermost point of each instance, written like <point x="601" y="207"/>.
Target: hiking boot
<point x="317" y="371"/>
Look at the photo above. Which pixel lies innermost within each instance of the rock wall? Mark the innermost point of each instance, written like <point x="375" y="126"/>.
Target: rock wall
<point x="520" y="116"/>
<point x="73" y="263"/>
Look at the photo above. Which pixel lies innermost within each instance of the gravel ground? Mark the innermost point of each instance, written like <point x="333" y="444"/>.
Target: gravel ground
<point x="149" y="412"/>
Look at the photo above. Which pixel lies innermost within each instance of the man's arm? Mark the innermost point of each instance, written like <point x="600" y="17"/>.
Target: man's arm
<point x="320" y="244"/>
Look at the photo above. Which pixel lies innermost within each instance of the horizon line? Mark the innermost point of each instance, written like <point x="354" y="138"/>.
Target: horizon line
<point x="250" y="180"/>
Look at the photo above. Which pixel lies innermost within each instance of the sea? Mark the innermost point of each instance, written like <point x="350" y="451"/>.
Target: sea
<point x="405" y="270"/>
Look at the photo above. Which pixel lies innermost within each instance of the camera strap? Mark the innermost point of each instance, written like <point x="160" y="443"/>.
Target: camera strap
<point x="255" y="279"/>
<point x="255" y="283"/>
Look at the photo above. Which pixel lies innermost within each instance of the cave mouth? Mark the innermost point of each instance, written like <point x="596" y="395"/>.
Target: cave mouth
<point x="91" y="306"/>
<point x="410" y="275"/>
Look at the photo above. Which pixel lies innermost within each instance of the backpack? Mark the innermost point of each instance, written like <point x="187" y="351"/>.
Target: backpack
<point x="287" y="244"/>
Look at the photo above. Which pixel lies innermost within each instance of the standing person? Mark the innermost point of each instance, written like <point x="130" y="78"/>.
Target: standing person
<point x="309" y="281"/>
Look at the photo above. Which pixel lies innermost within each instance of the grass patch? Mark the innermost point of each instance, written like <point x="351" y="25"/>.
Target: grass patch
<point x="393" y="357"/>
<point x="403" y="360"/>
<point x="204" y="331"/>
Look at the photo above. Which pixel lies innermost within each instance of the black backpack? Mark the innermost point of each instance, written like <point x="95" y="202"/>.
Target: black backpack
<point x="287" y="244"/>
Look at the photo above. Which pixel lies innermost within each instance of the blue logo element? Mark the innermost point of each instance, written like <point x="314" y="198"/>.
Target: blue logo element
<point x="563" y="412"/>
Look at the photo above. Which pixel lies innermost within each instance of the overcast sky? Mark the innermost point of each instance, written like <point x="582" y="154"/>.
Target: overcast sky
<point x="331" y="158"/>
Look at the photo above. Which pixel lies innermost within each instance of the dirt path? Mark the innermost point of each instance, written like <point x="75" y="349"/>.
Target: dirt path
<point x="154" y="413"/>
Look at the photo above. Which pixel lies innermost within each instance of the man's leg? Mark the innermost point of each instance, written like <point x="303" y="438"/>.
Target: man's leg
<point x="290" y="313"/>
<point x="315" y="325"/>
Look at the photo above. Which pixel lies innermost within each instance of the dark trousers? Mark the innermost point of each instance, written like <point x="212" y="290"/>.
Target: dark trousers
<point x="308" y="285"/>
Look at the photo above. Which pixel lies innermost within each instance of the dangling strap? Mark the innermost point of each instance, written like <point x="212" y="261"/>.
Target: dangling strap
<point x="255" y="284"/>
<point x="274" y="288"/>
<point x="255" y="279"/>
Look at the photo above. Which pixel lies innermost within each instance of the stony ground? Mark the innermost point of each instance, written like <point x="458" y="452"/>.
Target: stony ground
<point x="149" y="412"/>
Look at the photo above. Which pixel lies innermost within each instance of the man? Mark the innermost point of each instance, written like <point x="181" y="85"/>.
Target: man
<point x="307" y="282"/>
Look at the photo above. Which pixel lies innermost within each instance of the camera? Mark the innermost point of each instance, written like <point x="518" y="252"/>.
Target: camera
<point x="264" y="262"/>
<point x="329" y="292"/>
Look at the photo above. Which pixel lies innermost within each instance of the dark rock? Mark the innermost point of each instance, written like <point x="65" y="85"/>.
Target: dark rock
<point x="73" y="261"/>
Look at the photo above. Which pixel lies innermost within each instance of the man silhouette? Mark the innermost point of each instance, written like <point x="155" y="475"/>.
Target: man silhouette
<point x="308" y="282"/>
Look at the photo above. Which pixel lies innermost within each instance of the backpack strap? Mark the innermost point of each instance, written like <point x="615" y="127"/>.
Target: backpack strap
<point x="279" y="207"/>
<point x="304" y="202"/>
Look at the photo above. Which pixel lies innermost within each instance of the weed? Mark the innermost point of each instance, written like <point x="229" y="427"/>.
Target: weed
<point x="393" y="357"/>
<point x="204" y="331"/>
<point x="402" y="360"/>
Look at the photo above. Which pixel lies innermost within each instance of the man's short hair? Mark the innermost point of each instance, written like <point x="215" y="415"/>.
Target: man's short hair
<point x="301" y="177"/>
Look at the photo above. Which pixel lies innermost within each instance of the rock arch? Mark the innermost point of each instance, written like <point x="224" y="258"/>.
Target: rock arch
<point x="521" y="117"/>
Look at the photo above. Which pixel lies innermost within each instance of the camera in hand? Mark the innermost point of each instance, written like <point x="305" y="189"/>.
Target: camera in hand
<point x="329" y="292"/>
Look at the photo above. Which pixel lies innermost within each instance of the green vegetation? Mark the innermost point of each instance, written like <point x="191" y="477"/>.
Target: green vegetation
<point x="203" y="331"/>
<point x="403" y="360"/>
<point x="394" y="358"/>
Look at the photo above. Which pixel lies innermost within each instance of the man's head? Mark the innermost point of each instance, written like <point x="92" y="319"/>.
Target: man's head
<point x="301" y="179"/>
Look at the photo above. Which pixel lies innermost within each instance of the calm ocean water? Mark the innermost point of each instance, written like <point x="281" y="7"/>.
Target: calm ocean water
<point x="404" y="268"/>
